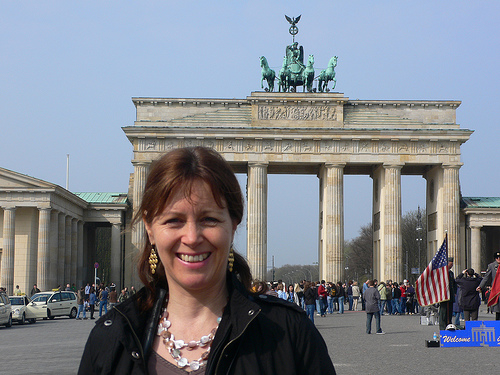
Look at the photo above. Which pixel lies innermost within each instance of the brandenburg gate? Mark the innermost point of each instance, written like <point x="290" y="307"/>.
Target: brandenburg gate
<point x="328" y="135"/>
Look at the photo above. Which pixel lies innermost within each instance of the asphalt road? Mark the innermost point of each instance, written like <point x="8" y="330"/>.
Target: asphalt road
<point x="55" y="347"/>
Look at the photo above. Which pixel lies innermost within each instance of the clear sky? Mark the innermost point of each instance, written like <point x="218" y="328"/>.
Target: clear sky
<point x="68" y="71"/>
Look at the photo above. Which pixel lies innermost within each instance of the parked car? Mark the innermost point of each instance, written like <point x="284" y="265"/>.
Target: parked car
<point x="59" y="303"/>
<point x="24" y="310"/>
<point x="5" y="310"/>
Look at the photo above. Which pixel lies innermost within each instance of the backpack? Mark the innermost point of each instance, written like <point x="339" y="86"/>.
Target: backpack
<point x="333" y="292"/>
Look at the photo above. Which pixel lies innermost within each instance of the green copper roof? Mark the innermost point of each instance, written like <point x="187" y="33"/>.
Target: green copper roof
<point x="103" y="198"/>
<point x="481" y="202"/>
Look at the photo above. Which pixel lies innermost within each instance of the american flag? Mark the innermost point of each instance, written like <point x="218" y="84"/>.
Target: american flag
<point x="432" y="285"/>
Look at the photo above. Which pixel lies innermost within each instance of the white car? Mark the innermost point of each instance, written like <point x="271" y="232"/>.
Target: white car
<point x="60" y="303"/>
<point x="23" y="310"/>
<point x="5" y="310"/>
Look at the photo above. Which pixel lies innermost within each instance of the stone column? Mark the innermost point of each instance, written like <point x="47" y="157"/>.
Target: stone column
<point x="43" y="258"/>
<point x="54" y="249"/>
<point x="140" y="173"/>
<point x="257" y="219"/>
<point x="67" y="250"/>
<point x="80" y="273"/>
<point x="74" y="250"/>
<point x="331" y="257"/>
<point x="9" y="242"/>
<point x="393" y="251"/>
<point x="475" y="248"/>
<point x="451" y="212"/>
<point x="116" y="255"/>
<point x="61" y="254"/>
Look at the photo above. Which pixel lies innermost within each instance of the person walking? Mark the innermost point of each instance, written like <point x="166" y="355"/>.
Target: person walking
<point x="103" y="301"/>
<point x="80" y="300"/>
<point x="372" y="298"/>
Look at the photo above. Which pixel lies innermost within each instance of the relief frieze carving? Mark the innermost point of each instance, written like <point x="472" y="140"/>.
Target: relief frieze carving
<point x="363" y="147"/>
<point x="306" y="146"/>
<point x="297" y="113"/>
<point x="268" y="146"/>
<point x="422" y="148"/>
<point x="384" y="147"/>
<point x="151" y="144"/>
<point x="287" y="146"/>
<point x="210" y="144"/>
<point x="443" y="148"/>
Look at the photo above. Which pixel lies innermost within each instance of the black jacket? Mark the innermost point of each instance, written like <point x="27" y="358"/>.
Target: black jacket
<point x="257" y="335"/>
<point x="469" y="298"/>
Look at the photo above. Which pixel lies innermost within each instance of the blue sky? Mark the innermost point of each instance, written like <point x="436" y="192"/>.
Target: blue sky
<point x="69" y="69"/>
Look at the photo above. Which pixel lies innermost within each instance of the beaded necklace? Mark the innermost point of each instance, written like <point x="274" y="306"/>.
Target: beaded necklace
<point x="174" y="346"/>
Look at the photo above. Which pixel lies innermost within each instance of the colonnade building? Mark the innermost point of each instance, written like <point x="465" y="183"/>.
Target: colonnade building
<point x="323" y="134"/>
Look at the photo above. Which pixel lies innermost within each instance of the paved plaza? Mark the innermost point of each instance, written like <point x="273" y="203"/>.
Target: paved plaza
<point x="55" y="347"/>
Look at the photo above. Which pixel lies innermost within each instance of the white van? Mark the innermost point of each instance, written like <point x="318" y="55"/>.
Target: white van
<point x="60" y="303"/>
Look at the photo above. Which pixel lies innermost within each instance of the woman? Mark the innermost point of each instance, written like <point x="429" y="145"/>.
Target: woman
<point x="196" y="286"/>
<point x="291" y="295"/>
<point x="469" y="299"/>
<point x="281" y="292"/>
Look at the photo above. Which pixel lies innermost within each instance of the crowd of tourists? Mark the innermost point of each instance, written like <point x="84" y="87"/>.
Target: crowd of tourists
<point x="90" y="297"/>
<point x="322" y="298"/>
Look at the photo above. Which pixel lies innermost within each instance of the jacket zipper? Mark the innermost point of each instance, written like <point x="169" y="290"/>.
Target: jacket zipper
<point x="233" y="340"/>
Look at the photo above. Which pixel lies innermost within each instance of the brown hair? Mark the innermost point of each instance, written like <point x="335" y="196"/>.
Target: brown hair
<point x="176" y="171"/>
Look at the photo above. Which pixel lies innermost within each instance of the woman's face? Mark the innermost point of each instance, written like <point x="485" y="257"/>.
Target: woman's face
<point x="193" y="237"/>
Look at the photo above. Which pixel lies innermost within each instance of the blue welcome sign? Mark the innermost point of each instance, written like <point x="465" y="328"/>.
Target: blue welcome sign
<point x="476" y="333"/>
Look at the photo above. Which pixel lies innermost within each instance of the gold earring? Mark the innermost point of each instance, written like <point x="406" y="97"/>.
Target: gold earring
<point x="153" y="259"/>
<point x="230" y="260"/>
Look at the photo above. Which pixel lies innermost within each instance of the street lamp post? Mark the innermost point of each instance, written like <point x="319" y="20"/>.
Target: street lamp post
<point x="305" y="276"/>
<point x="419" y="234"/>
<point x="310" y="275"/>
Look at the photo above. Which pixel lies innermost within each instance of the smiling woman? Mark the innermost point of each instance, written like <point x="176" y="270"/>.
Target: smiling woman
<point x="197" y="312"/>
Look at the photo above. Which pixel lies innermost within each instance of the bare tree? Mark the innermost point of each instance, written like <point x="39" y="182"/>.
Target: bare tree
<point x="294" y="273"/>
<point x="359" y="251"/>
<point x="359" y="255"/>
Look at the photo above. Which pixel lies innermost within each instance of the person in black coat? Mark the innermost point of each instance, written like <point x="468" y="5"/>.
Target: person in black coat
<point x="469" y="299"/>
<point x="197" y="310"/>
<point x="488" y="280"/>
